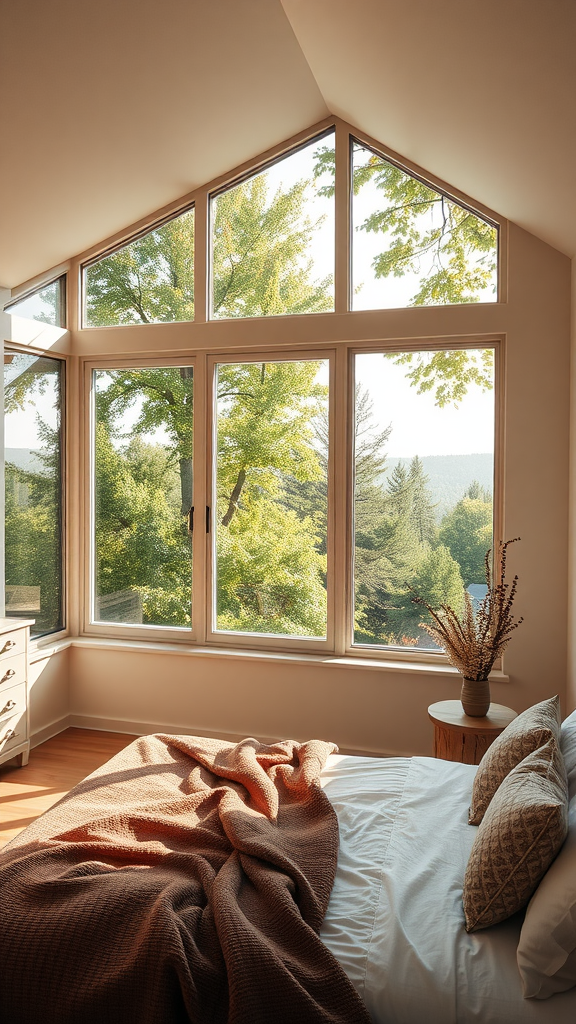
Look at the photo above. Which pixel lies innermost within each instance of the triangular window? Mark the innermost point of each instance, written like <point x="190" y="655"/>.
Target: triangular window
<point x="412" y="245"/>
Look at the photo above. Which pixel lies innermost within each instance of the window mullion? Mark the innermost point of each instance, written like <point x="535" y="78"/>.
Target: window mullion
<point x="202" y="427"/>
<point x="201" y="260"/>
<point x="342" y="221"/>
<point x="340" y="494"/>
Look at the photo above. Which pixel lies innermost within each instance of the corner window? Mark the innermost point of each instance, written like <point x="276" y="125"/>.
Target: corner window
<point x="46" y="304"/>
<point x="33" y="481"/>
<point x="148" y="281"/>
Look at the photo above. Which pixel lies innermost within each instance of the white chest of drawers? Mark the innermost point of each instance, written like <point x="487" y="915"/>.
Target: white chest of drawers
<point x="14" y="709"/>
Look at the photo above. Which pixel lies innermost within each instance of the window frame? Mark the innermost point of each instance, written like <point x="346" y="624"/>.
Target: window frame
<point x="195" y="343"/>
<point x="92" y="626"/>
<point x="61" y="279"/>
<point x="495" y="342"/>
<point x="340" y="543"/>
<point x="261" y="641"/>
<point x="117" y="246"/>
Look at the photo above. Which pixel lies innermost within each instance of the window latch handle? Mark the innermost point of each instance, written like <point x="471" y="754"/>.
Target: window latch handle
<point x="207" y="518"/>
<point x="191" y="519"/>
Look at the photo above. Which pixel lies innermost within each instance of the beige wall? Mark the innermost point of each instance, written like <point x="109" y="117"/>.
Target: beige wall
<point x="377" y="709"/>
<point x="571" y="680"/>
<point x="49" y="696"/>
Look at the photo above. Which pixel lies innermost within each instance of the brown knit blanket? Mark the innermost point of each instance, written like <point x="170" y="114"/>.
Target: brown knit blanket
<point x="184" y="881"/>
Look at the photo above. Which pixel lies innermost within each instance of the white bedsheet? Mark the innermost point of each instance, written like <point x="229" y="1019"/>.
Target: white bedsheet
<point x="395" y="919"/>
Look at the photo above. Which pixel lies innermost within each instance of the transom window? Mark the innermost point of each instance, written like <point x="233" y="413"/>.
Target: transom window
<point x="46" y="304"/>
<point x="148" y="281"/>
<point x="273" y="238"/>
<point x="412" y="245"/>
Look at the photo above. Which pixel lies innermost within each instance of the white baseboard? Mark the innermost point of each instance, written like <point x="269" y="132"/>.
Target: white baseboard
<point x="135" y="728"/>
<point x="41" y="735"/>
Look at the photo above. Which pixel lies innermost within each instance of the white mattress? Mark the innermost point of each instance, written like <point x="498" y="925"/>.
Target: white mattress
<point x="395" y="919"/>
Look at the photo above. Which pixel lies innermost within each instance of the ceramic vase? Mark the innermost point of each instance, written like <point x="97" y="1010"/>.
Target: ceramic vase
<point x="475" y="697"/>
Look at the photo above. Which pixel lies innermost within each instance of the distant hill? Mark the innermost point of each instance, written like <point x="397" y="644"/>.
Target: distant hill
<point x="450" y="476"/>
<point x="26" y="459"/>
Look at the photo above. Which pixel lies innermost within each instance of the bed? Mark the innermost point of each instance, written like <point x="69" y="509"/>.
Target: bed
<point x="394" y="919"/>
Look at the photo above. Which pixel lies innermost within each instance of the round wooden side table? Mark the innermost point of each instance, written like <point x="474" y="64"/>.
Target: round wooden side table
<point x="459" y="737"/>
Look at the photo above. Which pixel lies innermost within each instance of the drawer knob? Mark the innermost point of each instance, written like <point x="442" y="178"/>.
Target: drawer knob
<point x="8" y="707"/>
<point x="8" y="675"/>
<point x="8" y="646"/>
<point x="10" y="734"/>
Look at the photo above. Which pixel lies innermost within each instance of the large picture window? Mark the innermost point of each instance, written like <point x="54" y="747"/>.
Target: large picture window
<point x="33" y="481"/>
<point x="342" y="463"/>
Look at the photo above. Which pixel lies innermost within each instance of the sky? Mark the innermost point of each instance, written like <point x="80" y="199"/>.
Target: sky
<point x="419" y="427"/>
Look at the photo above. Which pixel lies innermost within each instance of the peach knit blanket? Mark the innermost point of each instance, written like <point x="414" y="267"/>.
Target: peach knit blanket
<point x="184" y="881"/>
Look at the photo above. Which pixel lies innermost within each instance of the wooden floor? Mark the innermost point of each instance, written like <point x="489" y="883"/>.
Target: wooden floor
<point x="53" y="769"/>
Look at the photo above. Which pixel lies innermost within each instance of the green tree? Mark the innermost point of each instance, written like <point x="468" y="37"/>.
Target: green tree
<point x="163" y="397"/>
<point x="270" y="561"/>
<point x="259" y="257"/>
<point x="140" y="543"/>
<point x="467" y="533"/>
<point x="416" y="221"/>
<point x="33" y="512"/>
<point x="438" y="576"/>
<point x="477" y="491"/>
<point x="422" y="509"/>
<point x="151" y="280"/>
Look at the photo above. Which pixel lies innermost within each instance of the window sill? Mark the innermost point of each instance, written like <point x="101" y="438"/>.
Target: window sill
<point x="323" y="660"/>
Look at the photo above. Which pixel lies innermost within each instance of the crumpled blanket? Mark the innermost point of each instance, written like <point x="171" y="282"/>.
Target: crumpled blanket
<point x="184" y="881"/>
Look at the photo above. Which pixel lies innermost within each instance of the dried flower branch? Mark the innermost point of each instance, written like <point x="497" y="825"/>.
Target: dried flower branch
<point x="473" y="641"/>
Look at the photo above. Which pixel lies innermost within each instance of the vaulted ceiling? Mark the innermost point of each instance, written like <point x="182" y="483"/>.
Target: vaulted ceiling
<point x="112" y="109"/>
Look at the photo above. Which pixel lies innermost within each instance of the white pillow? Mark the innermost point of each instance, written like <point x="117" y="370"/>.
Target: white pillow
<point x="568" y="748"/>
<point x="547" y="947"/>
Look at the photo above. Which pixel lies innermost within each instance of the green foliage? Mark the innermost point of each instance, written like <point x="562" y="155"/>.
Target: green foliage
<point x="141" y="539"/>
<point x="449" y="373"/>
<point x="164" y="398"/>
<point x="270" y="576"/>
<point x="32" y="533"/>
<point x="417" y="221"/>
<point x="270" y="563"/>
<point x="260" y="265"/>
<point x="33" y="515"/>
<point x="467" y="533"/>
<point x="150" y="280"/>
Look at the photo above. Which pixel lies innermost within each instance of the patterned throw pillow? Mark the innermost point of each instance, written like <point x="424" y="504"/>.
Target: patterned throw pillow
<point x="547" y="947"/>
<point x="522" y="831"/>
<point x="526" y="733"/>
